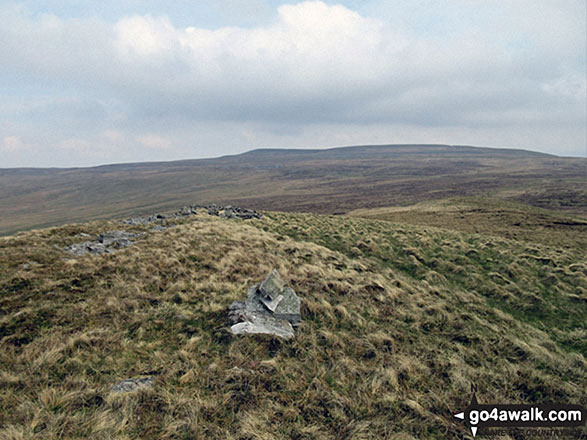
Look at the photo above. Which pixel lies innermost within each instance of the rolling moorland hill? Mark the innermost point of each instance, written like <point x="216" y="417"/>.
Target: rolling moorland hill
<point x="330" y="181"/>
<point x="398" y="321"/>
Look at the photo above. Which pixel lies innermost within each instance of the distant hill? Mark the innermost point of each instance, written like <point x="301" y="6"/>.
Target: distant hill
<point x="334" y="180"/>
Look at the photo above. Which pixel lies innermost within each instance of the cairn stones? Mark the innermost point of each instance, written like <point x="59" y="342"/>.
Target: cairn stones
<point x="270" y="308"/>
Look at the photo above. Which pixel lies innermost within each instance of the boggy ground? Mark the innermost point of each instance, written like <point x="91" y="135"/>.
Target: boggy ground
<point x="398" y="322"/>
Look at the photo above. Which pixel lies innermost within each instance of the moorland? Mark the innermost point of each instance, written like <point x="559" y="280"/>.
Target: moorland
<point x="422" y="271"/>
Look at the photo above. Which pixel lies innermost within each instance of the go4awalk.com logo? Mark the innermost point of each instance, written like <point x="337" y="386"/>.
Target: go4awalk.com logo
<point x="479" y="416"/>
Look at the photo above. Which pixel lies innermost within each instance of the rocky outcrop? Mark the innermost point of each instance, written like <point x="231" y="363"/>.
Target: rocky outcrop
<point x="270" y="308"/>
<point x="104" y="243"/>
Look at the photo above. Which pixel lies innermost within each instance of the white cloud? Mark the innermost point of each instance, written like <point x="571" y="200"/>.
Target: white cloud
<point x="503" y="65"/>
<point x="12" y="144"/>
<point x="76" y="145"/>
<point x="155" y="142"/>
<point x="572" y="86"/>
<point x="144" y="36"/>
<point x="113" y="136"/>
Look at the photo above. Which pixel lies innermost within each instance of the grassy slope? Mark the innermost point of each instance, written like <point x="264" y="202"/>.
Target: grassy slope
<point x="489" y="216"/>
<point x="321" y="181"/>
<point x="398" y="321"/>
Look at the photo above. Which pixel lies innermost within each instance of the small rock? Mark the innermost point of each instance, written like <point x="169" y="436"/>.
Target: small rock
<point x="85" y="248"/>
<point x="119" y="238"/>
<point x="128" y="385"/>
<point x="105" y="243"/>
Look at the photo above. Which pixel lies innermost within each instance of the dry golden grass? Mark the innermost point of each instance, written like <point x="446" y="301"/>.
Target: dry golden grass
<point x="489" y="216"/>
<point x="388" y="348"/>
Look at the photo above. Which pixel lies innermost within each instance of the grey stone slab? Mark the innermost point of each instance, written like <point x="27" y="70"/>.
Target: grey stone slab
<point x="272" y="286"/>
<point x="289" y="307"/>
<point x="259" y="324"/>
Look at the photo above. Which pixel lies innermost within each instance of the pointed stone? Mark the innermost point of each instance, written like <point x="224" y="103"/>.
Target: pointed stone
<point x="272" y="286"/>
<point x="289" y="307"/>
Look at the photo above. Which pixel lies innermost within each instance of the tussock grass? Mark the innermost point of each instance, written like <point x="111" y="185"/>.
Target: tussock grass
<point x="539" y="284"/>
<point x="397" y="324"/>
<point x="491" y="216"/>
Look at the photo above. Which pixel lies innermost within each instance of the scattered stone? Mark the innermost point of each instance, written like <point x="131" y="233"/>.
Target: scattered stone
<point x="239" y="213"/>
<point x="117" y="238"/>
<point x="270" y="308"/>
<point x="188" y="210"/>
<point x="128" y="385"/>
<point x="105" y="243"/>
<point x="212" y="209"/>
<point x="85" y="248"/>
<point x="135" y="221"/>
<point x="158" y="228"/>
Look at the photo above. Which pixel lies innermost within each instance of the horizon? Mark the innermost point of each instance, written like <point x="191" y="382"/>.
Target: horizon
<point x="130" y="82"/>
<point x="289" y="149"/>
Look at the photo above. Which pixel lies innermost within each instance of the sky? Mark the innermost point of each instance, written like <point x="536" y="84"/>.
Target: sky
<point x="84" y="83"/>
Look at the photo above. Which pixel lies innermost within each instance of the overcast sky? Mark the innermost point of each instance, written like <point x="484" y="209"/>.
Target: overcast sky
<point x="86" y="83"/>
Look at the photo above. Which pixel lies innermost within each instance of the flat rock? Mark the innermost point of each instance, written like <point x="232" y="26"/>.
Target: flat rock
<point x="263" y="324"/>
